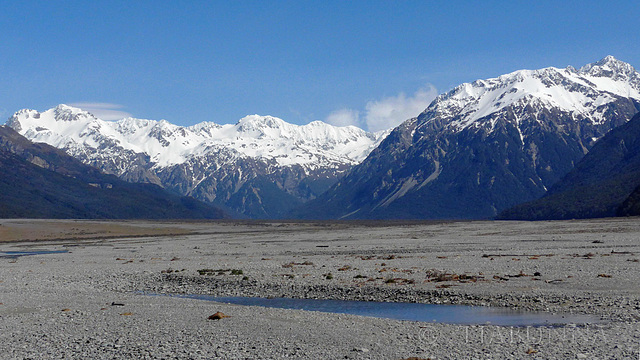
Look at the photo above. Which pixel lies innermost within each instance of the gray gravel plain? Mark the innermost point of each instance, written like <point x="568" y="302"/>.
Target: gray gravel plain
<point x="93" y="302"/>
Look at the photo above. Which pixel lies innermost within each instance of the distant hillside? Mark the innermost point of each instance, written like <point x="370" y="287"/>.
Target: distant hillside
<point x="40" y="181"/>
<point x="598" y="185"/>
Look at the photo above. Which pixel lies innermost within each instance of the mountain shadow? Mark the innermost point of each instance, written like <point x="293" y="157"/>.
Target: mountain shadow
<point x="600" y="185"/>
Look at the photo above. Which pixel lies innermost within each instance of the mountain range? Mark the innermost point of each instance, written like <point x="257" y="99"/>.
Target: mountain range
<point x="40" y="181"/>
<point x="474" y="152"/>
<point x="260" y="167"/>
<point x="486" y="146"/>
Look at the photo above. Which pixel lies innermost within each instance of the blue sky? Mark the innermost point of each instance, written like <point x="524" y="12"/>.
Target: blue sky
<point x="368" y="63"/>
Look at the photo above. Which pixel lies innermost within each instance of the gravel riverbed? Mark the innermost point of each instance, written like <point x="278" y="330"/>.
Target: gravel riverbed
<point x="93" y="301"/>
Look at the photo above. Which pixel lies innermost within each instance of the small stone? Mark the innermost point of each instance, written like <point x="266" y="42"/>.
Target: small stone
<point x="218" y="316"/>
<point x="581" y="356"/>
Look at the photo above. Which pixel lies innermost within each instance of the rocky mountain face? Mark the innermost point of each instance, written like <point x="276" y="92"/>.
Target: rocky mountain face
<point x="260" y="167"/>
<point x="600" y="185"/>
<point x="40" y="181"/>
<point x="486" y="146"/>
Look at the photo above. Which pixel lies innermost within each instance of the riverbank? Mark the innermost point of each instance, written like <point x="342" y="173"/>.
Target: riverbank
<point x="88" y="302"/>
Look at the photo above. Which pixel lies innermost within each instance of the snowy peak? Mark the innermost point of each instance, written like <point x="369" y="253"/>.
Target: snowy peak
<point x="64" y="112"/>
<point x="257" y="126"/>
<point x="316" y="131"/>
<point x="609" y="67"/>
<point x="257" y="122"/>
<point x="317" y="144"/>
<point x="580" y="92"/>
<point x="61" y="127"/>
<point x="61" y="112"/>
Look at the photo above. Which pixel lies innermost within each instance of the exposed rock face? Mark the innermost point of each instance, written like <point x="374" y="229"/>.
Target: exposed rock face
<point x="600" y="184"/>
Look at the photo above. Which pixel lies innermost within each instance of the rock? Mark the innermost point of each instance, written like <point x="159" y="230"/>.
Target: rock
<point x="218" y="316"/>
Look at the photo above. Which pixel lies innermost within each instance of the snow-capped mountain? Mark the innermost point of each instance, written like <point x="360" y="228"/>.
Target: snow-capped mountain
<point x="40" y="181"/>
<point x="487" y="145"/>
<point x="259" y="166"/>
<point x="583" y="93"/>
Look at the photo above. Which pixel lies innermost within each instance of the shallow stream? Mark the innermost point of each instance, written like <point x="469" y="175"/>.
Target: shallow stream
<point x="448" y="314"/>
<point x="17" y="254"/>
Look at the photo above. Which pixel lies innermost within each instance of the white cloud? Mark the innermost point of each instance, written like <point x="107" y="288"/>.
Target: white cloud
<point x="392" y="111"/>
<point x="386" y="113"/>
<point x="104" y="111"/>
<point x="344" y="117"/>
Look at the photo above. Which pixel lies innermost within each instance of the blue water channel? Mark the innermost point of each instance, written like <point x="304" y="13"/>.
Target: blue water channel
<point x="448" y="314"/>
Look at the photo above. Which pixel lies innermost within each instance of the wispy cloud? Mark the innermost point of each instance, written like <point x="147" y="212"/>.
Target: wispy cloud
<point x="387" y="112"/>
<point x="104" y="111"/>
<point x="392" y="111"/>
<point x="344" y="117"/>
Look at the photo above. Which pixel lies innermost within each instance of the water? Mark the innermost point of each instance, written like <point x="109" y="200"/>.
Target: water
<point x="448" y="314"/>
<point x="17" y="254"/>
